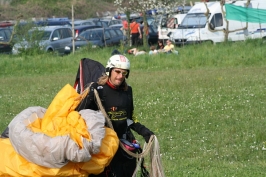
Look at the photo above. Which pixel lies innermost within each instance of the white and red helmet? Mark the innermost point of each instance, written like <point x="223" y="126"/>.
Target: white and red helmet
<point x="118" y="61"/>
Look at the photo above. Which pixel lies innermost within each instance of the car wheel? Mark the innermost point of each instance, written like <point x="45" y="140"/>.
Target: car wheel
<point x="51" y="51"/>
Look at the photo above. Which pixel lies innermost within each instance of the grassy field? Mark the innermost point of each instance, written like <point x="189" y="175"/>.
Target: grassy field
<point x="206" y="105"/>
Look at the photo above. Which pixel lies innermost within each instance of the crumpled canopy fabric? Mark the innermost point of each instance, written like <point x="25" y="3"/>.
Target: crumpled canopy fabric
<point x="58" y="141"/>
<point x="57" y="151"/>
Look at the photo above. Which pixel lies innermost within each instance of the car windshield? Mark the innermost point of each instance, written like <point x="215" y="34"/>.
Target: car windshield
<point x="196" y="20"/>
<point x="92" y="35"/>
<point x="150" y="20"/>
<point x="101" y="23"/>
<point x="154" y="28"/>
<point x="39" y="35"/>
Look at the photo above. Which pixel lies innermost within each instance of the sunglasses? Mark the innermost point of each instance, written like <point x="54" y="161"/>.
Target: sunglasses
<point x="124" y="73"/>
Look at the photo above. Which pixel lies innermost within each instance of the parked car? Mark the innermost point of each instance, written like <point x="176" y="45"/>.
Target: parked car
<point x="113" y="22"/>
<point x="153" y="34"/>
<point x="58" y="19"/>
<point x="79" y="29"/>
<point x="123" y="16"/>
<point x="116" y="26"/>
<point x="138" y="19"/>
<point x="5" y="35"/>
<point x="48" y="38"/>
<point x="83" y="22"/>
<point x="53" y="23"/>
<point x="102" y="23"/>
<point x="98" y="37"/>
<point x="6" y="24"/>
<point x="181" y="9"/>
<point x="151" y="12"/>
<point x="150" y="19"/>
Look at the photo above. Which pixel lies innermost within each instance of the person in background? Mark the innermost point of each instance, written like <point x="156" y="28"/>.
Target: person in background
<point x="160" y="45"/>
<point x="146" y="33"/>
<point x="135" y="32"/>
<point x="117" y="99"/>
<point x="124" y="27"/>
<point x="169" y="48"/>
<point x="153" y="50"/>
<point x="135" y="51"/>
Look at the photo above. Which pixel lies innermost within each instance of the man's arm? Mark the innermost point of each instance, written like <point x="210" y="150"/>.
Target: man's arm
<point x="140" y="34"/>
<point x="135" y="51"/>
<point x="142" y="130"/>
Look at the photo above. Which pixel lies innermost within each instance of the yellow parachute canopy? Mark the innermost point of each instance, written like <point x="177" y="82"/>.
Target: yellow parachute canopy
<point x="59" y="120"/>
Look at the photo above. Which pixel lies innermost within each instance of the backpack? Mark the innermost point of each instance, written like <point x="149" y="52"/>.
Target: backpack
<point x="89" y="71"/>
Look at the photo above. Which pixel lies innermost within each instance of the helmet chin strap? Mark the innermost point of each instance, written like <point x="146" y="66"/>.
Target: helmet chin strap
<point x="107" y="71"/>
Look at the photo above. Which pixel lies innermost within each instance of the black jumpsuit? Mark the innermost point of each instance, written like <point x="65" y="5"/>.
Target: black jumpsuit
<point x="118" y="104"/>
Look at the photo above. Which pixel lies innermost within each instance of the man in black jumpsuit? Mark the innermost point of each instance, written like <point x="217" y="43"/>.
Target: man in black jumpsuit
<point x="117" y="100"/>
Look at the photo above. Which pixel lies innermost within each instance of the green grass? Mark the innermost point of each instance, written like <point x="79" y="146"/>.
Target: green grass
<point x="205" y="105"/>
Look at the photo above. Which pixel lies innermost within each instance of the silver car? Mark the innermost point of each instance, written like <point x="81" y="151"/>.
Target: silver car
<point x="83" y="22"/>
<point x="47" y="38"/>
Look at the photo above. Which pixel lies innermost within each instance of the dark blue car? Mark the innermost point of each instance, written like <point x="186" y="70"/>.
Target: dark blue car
<point x="53" y="23"/>
<point x="98" y="37"/>
<point x="80" y="29"/>
<point x="5" y="35"/>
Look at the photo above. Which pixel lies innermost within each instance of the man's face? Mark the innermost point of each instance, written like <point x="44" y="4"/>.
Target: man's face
<point x="118" y="76"/>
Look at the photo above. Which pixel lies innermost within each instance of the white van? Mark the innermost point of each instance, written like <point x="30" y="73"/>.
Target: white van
<point x="195" y="29"/>
<point x="169" y="24"/>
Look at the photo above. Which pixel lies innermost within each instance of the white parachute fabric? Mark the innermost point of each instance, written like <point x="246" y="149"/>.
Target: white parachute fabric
<point x="54" y="152"/>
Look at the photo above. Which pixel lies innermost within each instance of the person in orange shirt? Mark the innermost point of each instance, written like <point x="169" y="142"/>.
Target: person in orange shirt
<point x="135" y="32"/>
<point x="124" y="27"/>
<point x="125" y="24"/>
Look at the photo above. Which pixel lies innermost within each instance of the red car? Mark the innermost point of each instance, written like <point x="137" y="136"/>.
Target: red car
<point x="6" y="24"/>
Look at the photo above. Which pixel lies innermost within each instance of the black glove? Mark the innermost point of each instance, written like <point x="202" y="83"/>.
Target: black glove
<point x="148" y="135"/>
<point x="142" y="130"/>
<point x="93" y="86"/>
<point x="88" y="102"/>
